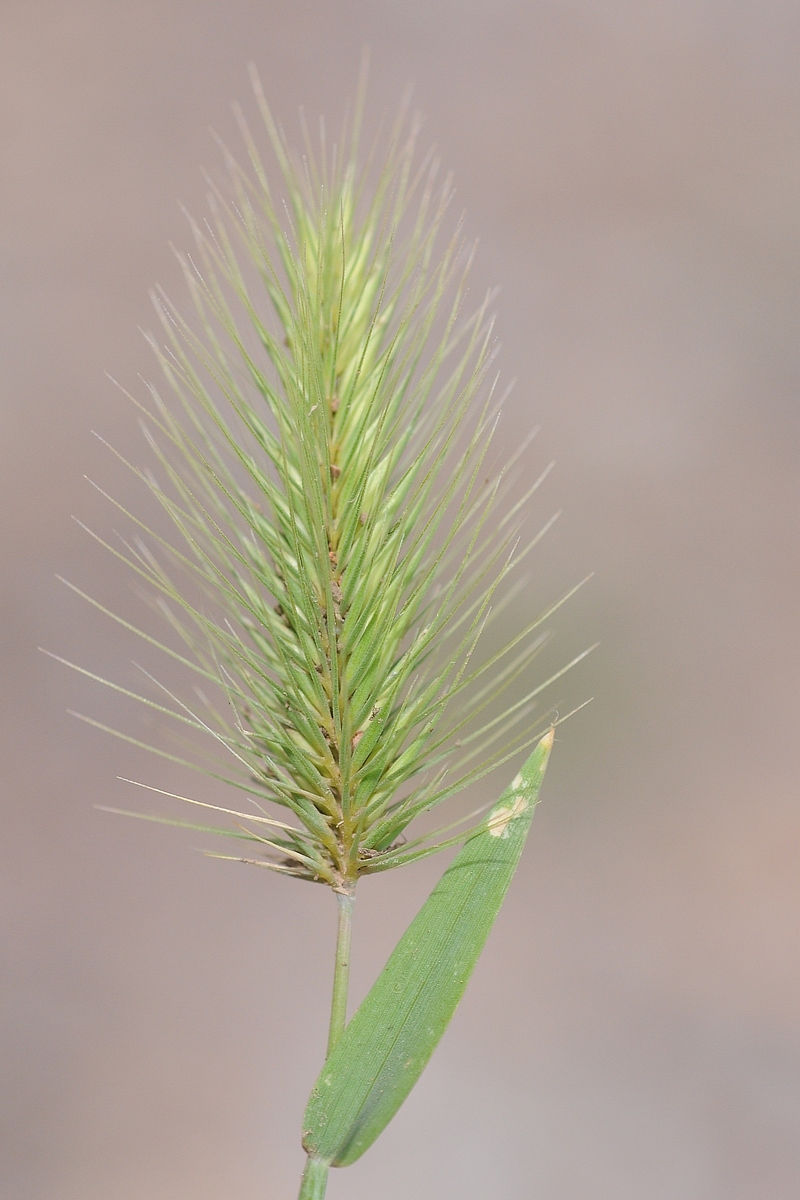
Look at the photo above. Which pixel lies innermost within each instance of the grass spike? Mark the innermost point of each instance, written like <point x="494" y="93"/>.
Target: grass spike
<point x="330" y="555"/>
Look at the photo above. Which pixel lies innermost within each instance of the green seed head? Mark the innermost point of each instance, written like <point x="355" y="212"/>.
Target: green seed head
<point x="337" y="545"/>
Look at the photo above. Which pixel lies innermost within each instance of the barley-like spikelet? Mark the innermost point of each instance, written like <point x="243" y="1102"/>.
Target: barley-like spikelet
<point x="338" y="547"/>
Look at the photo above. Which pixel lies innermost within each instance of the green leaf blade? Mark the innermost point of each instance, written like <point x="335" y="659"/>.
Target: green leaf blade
<point x="389" y="1041"/>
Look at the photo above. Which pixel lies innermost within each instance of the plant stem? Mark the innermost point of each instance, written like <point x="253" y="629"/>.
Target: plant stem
<point x="341" y="975"/>
<point x="315" y="1180"/>
<point x="315" y="1176"/>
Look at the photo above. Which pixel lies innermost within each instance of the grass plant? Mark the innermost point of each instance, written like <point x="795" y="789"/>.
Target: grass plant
<point x="340" y="541"/>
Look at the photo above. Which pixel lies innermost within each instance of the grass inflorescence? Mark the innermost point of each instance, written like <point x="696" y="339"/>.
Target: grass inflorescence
<point x="338" y="543"/>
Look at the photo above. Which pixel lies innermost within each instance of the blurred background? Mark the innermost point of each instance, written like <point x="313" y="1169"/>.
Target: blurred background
<point x="633" y="1029"/>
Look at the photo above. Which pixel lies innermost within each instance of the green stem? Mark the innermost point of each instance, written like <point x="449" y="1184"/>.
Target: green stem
<point x="341" y="975"/>
<point x="315" y="1180"/>
<point x="315" y="1176"/>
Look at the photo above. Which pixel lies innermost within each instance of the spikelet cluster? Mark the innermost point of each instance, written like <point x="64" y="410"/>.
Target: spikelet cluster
<point x="338" y="547"/>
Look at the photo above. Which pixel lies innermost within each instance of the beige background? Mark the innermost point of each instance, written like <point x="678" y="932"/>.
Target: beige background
<point x="633" y="1031"/>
